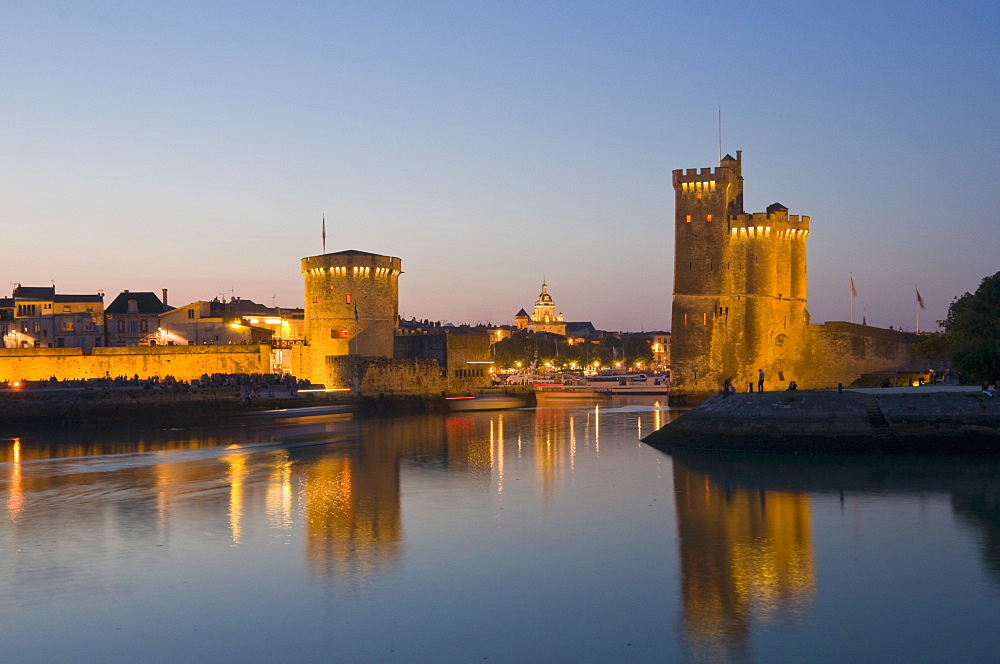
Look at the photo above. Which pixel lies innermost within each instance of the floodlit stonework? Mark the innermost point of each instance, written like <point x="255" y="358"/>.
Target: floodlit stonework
<point x="739" y="305"/>
<point x="351" y="308"/>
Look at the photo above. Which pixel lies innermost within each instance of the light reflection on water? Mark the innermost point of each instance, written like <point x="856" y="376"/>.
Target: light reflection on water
<point x="527" y="535"/>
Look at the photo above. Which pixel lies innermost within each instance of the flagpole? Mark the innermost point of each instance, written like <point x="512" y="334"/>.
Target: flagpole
<point x="324" y="232"/>
<point x="852" y="297"/>
<point x="916" y="308"/>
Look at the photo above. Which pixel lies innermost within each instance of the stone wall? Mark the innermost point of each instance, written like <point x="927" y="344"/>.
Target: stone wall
<point x="840" y="352"/>
<point x="181" y="362"/>
<point x="382" y="377"/>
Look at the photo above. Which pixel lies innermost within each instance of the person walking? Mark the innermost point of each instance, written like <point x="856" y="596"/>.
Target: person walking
<point x="760" y="380"/>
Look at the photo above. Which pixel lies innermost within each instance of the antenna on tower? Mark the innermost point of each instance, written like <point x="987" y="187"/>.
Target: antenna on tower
<point x="720" y="132"/>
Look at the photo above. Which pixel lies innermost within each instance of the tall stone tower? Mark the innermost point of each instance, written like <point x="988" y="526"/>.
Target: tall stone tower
<point x="739" y="285"/>
<point x="351" y="308"/>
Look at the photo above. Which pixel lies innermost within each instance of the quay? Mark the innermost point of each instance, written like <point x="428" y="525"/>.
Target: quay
<point x="926" y="419"/>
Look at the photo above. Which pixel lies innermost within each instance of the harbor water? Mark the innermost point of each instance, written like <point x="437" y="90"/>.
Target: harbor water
<point x="548" y="534"/>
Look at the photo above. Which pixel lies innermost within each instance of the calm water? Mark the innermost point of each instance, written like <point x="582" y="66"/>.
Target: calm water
<point x="536" y="535"/>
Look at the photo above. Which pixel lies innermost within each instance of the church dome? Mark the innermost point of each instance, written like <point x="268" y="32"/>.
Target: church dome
<point x="544" y="298"/>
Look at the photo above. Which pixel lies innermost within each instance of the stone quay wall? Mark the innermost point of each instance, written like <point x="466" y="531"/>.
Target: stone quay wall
<point x="181" y="362"/>
<point x="853" y="422"/>
<point x="402" y="378"/>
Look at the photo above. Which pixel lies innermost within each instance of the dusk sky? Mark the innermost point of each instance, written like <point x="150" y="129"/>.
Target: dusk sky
<point x="196" y="146"/>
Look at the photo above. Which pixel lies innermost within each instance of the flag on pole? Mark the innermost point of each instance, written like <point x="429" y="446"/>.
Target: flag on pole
<point x="854" y="291"/>
<point x="920" y="300"/>
<point x="324" y="233"/>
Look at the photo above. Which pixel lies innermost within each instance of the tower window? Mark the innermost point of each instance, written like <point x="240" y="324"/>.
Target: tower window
<point x="347" y="298"/>
<point x="704" y="318"/>
<point x="698" y="195"/>
<point x="687" y="218"/>
<point x="708" y="217"/>
<point x="685" y="320"/>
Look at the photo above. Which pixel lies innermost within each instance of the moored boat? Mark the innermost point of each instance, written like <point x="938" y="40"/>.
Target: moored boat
<point x="568" y="389"/>
<point x="630" y="383"/>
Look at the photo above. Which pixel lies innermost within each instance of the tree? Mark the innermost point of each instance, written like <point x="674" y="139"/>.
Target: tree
<point x="930" y="345"/>
<point x="972" y="331"/>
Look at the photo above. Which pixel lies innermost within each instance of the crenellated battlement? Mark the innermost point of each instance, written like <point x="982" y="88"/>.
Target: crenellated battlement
<point x="695" y="175"/>
<point x="764" y="222"/>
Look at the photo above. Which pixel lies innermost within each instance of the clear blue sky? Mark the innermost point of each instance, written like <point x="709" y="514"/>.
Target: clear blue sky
<point x="195" y="146"/>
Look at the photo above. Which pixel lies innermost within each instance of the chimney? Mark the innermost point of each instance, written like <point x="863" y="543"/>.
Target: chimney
<point x="164" y="297"/>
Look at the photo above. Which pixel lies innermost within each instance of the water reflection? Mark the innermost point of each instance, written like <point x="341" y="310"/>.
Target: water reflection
<point x="745" y="530"/>
<point x="746" y="557"/>
<point x="332" y="477"/>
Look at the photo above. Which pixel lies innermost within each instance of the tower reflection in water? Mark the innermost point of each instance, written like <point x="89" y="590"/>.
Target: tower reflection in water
<point x="333" y="481"/>
<point x="746" y="558"/>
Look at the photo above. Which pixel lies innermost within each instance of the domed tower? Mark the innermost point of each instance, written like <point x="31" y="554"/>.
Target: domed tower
<point x="545" y="318"/>
<point x="545" y="308"/>
<point x="351" y="307"/>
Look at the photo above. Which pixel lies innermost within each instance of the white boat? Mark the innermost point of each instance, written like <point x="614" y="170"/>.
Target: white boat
<point x="630" y="383"/>
<point x="568" y="389"/>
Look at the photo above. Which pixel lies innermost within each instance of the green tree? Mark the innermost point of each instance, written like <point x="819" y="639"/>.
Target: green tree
<point x="972" y="331"/>
<point x="931" y="345"/>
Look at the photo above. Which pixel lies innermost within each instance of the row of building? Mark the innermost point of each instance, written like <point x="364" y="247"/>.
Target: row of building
<point x="39" y="317"/>
<point x="348" y="333"/>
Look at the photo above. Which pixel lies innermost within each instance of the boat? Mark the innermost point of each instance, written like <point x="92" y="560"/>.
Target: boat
<point x="570" y="388"/>
<point x="640" y="383"/>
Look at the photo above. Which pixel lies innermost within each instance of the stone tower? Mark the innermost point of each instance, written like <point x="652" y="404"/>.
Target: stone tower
<point x="351" y="308"/>
<point x="739" y="285"/>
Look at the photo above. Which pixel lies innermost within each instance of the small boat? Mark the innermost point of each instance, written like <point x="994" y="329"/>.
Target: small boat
<point x="630" y="383"/>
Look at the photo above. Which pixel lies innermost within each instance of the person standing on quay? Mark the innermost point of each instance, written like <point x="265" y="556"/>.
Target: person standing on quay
<point x="760" y="380"/>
